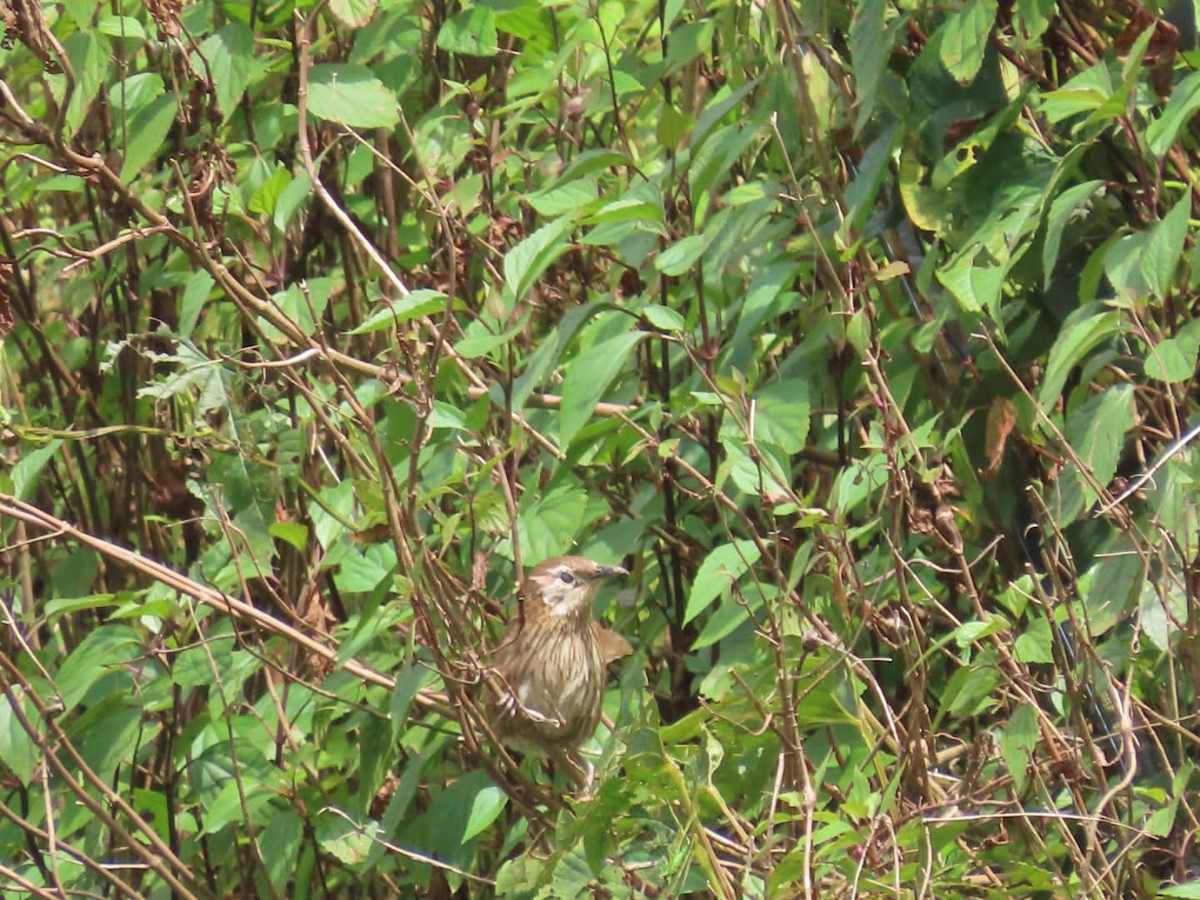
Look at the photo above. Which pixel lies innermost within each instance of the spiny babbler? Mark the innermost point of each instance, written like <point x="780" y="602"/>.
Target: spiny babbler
<point x="553" y="659"/>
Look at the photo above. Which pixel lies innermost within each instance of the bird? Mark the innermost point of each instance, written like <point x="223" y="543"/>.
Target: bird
<point x="553" y="660"/>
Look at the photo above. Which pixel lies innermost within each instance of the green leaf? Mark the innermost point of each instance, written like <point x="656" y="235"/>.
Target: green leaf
<point x="728" y="616"/>
<point x="1164" y="248"/>
<point x="89" y="53"/>
<point x="1163" y="610"/>
<point x="121" y="27"/>
<point x="1174" y="359"/>
<point x="548" y="523"/>
<point x="25" y="472"/>
<point x="871" y="41"/>
<point x="279" y="845"/>
<point x="1061" y="210"/>
<point x="106" y="648"/>
<point x="195" y="296"/>
<point x="408" y="681"/>
<point x="1185" y="100"/>
<point x="421" y="302"/>
<point x="673" y="126"/>
<point x="304" y="303"/>
<point x="972" y="631"/>
<point x="1035" y="16"/>
<point x="863" y="191"/>
<point x="1019" y="737"/>
<point x="485" y="809"/>
<point x="351" y="95"/>
<point x="294" y="533"/>
<point x="471" y="32"/>
<point x="353" y="13"/>
<point x="57" y="608"/>
<point x="720" y="569"/>
<point x="1091" y="91"/>
<point x="1123" y="264"/>
<point x="364" y="571"/>
<point x="588" y="377"/>
<point x="19" y="753"/>
<point x="1082" y="333"/>
<point x="664" y="318"/>
<point x="682" y="255"/>
<point x="1187" y="890"/>
<point x="689" y="41"/>
<point x="445" y="823"/>
<point x="1097" y="429"/>
<point x="782" y="414"/>
<point x="110" y="731"/>
<point x="1034" y="644"/>
<point x="970" y="691"/>
<point x="712" y="161"/>
<point x="565" y="197"/>
<point x="229" y="56"/>
<point x="1114" y="585"/>
<point x="297" y="191"/>
<point x="526" y="262"/>
<point x="966" y="38"/>
<point x="269" y="192"/>
<point x="480" y="342"/>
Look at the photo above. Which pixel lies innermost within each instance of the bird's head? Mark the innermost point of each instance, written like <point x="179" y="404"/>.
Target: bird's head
<point x="564" y="586"/>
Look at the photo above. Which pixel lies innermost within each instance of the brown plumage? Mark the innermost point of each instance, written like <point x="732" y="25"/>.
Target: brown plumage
<point x="554" y="665"/>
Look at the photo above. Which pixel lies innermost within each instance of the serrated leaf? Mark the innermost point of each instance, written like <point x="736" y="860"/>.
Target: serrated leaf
<point x="1170" y="361"/>
<point x="350" y="95"/>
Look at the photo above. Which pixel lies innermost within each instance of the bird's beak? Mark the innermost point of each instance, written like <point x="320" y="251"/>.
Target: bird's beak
<point x="608" y="572"/>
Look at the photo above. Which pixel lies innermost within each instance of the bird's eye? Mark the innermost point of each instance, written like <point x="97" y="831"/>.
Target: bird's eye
<point x="566" y="577"/>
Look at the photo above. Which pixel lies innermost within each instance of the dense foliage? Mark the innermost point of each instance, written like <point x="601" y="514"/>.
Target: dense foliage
<point x="850" y="329"/>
